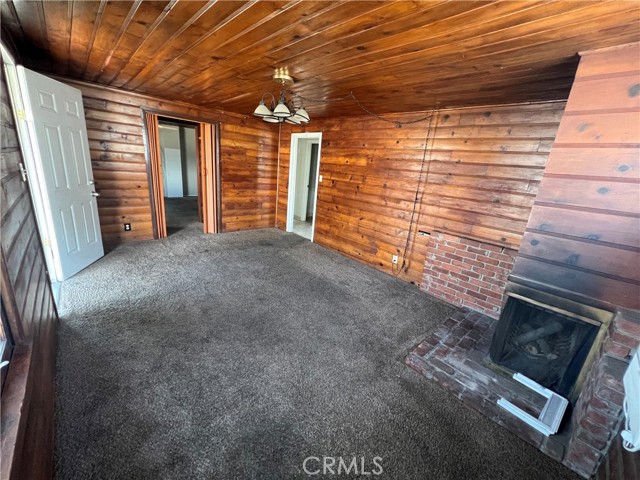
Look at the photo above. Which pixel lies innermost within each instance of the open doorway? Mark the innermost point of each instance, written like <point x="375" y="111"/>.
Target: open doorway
<point x="303" y="183"/>
<point x="178" y="151"/>
<point x="170" y="170"/>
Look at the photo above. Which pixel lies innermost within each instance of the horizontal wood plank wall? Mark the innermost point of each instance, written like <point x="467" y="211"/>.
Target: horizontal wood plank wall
<point x="584" y="232"/>
<point x="28" y="395"/>
<point x="115" y="131"/>
<point x="248" y="170"/>
<point x="480" y="179"/>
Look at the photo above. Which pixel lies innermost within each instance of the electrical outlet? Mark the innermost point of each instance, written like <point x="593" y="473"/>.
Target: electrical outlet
<point x="394" y="259"/>
<point x="127" y="227"/>
<point x="320" y="179"/>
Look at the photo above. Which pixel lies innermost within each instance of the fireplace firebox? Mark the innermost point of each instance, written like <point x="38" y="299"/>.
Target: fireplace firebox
<point x="547" y="344"/>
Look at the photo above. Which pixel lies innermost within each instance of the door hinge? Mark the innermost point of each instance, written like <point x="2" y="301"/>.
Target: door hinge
<point x="23" y="172"/>
<point x="21" y="115"/>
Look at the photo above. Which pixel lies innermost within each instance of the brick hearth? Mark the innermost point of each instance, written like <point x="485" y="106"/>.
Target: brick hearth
<point x="455" y="356"/>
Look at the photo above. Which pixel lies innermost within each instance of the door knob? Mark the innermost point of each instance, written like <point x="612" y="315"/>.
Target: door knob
<point x="95" y="194"/>
<point x="91" y="182"/>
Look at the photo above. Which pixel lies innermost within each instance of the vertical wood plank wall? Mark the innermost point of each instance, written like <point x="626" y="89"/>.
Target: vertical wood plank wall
<point x="584" y="232"/>
<point x="114" y="125"/>
<point x="28" y="395"/>
<point x="480" y="179"/>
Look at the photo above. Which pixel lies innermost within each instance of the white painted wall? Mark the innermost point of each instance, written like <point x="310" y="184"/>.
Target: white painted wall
<point x="302" y="181"/>
<point x="171" y="163"/>
<point x="313" y="168"/>
<point x="172" y="172"/>
<point x="192" y="161"/>
<point x="169" y="136"/>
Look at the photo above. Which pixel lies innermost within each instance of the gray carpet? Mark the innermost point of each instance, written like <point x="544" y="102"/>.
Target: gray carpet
<point x="237" y="356"/>
<point x="180" y="213"/>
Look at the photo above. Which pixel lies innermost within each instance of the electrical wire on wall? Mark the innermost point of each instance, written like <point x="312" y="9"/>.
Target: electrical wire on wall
<point x="351" y="96"/>
<point x="398" y="124"/>
<point x="430" y="137"/>
<point x="275" y="220"/>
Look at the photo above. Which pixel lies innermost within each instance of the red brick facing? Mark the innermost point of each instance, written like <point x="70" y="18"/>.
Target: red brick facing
<point x="598" y="412"/>
<point x="467" y="273"/>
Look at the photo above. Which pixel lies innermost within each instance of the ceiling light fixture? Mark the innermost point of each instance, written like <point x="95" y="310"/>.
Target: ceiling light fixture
<point x="283" y="110"/>
<point x="292" y="110"/>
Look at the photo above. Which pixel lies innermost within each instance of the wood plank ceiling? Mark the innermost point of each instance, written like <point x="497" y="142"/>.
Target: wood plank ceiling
<point x="395" y="56"/>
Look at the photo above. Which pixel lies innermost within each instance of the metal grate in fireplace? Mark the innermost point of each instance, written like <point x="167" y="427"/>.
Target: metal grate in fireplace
<point x="550" y="345"/>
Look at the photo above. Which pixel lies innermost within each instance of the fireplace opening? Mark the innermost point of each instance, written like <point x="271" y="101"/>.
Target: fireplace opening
<point x="543" y="344"/>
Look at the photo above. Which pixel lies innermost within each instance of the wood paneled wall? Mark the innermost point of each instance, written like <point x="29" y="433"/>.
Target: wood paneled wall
<point x="28" y="395"/>
<point x="584" y="232"/>
<point x="248" y="171"/>
<point x="115" y="131"/>
<point x="481" y="175"/>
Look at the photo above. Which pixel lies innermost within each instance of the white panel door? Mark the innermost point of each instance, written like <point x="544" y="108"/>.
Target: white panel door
<point x="58" y="138"/>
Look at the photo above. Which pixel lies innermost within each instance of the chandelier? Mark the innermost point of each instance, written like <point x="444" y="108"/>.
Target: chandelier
<point x="284" y="110"/>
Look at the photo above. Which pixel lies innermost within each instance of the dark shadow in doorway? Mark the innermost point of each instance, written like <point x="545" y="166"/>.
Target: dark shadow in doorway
<point x="180" y="213"/>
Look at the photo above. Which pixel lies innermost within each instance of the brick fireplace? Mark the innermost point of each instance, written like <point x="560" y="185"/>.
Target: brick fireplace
<point x="574" y="283"/>
<point x="455" y="356"/>
<point x="467" y="272"/>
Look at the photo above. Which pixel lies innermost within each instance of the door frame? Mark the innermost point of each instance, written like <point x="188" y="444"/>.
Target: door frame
<point x="293" y="166"/>
<point x="209" y="186"/>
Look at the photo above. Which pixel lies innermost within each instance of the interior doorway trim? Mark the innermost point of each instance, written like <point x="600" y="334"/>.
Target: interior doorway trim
<point x="208" y="153"/>
<point x="293" y="163"/>
<point x="155" y="175"/>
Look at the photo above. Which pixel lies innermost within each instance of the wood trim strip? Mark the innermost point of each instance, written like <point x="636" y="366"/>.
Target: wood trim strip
<point x="20" y="228"/>
<point x="582" y="239"/>
<point x="169" y="41"/>
<point x="32" y="269"/>
<point x="631" y="281"/>
<point x="228" y="40"/>
<point x="608" y="49"/>
<point x="604" y="211"/>
<point x="10" y="304"/>
<point x="123" y="27"/>
<point x="218" y="178"/>
<point x="43" y="23"/>
<point x="152" y="28"/>
<point x="576" y="176"/>
<point x="37" y="298"/>
<point x="207" y="177"/>
<point x="608" y="111"/>
<point x="67" y="63"/>
<point x="606" y="76"/>
<point x="96" y="27"/>
<point x="596" y="145"/>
